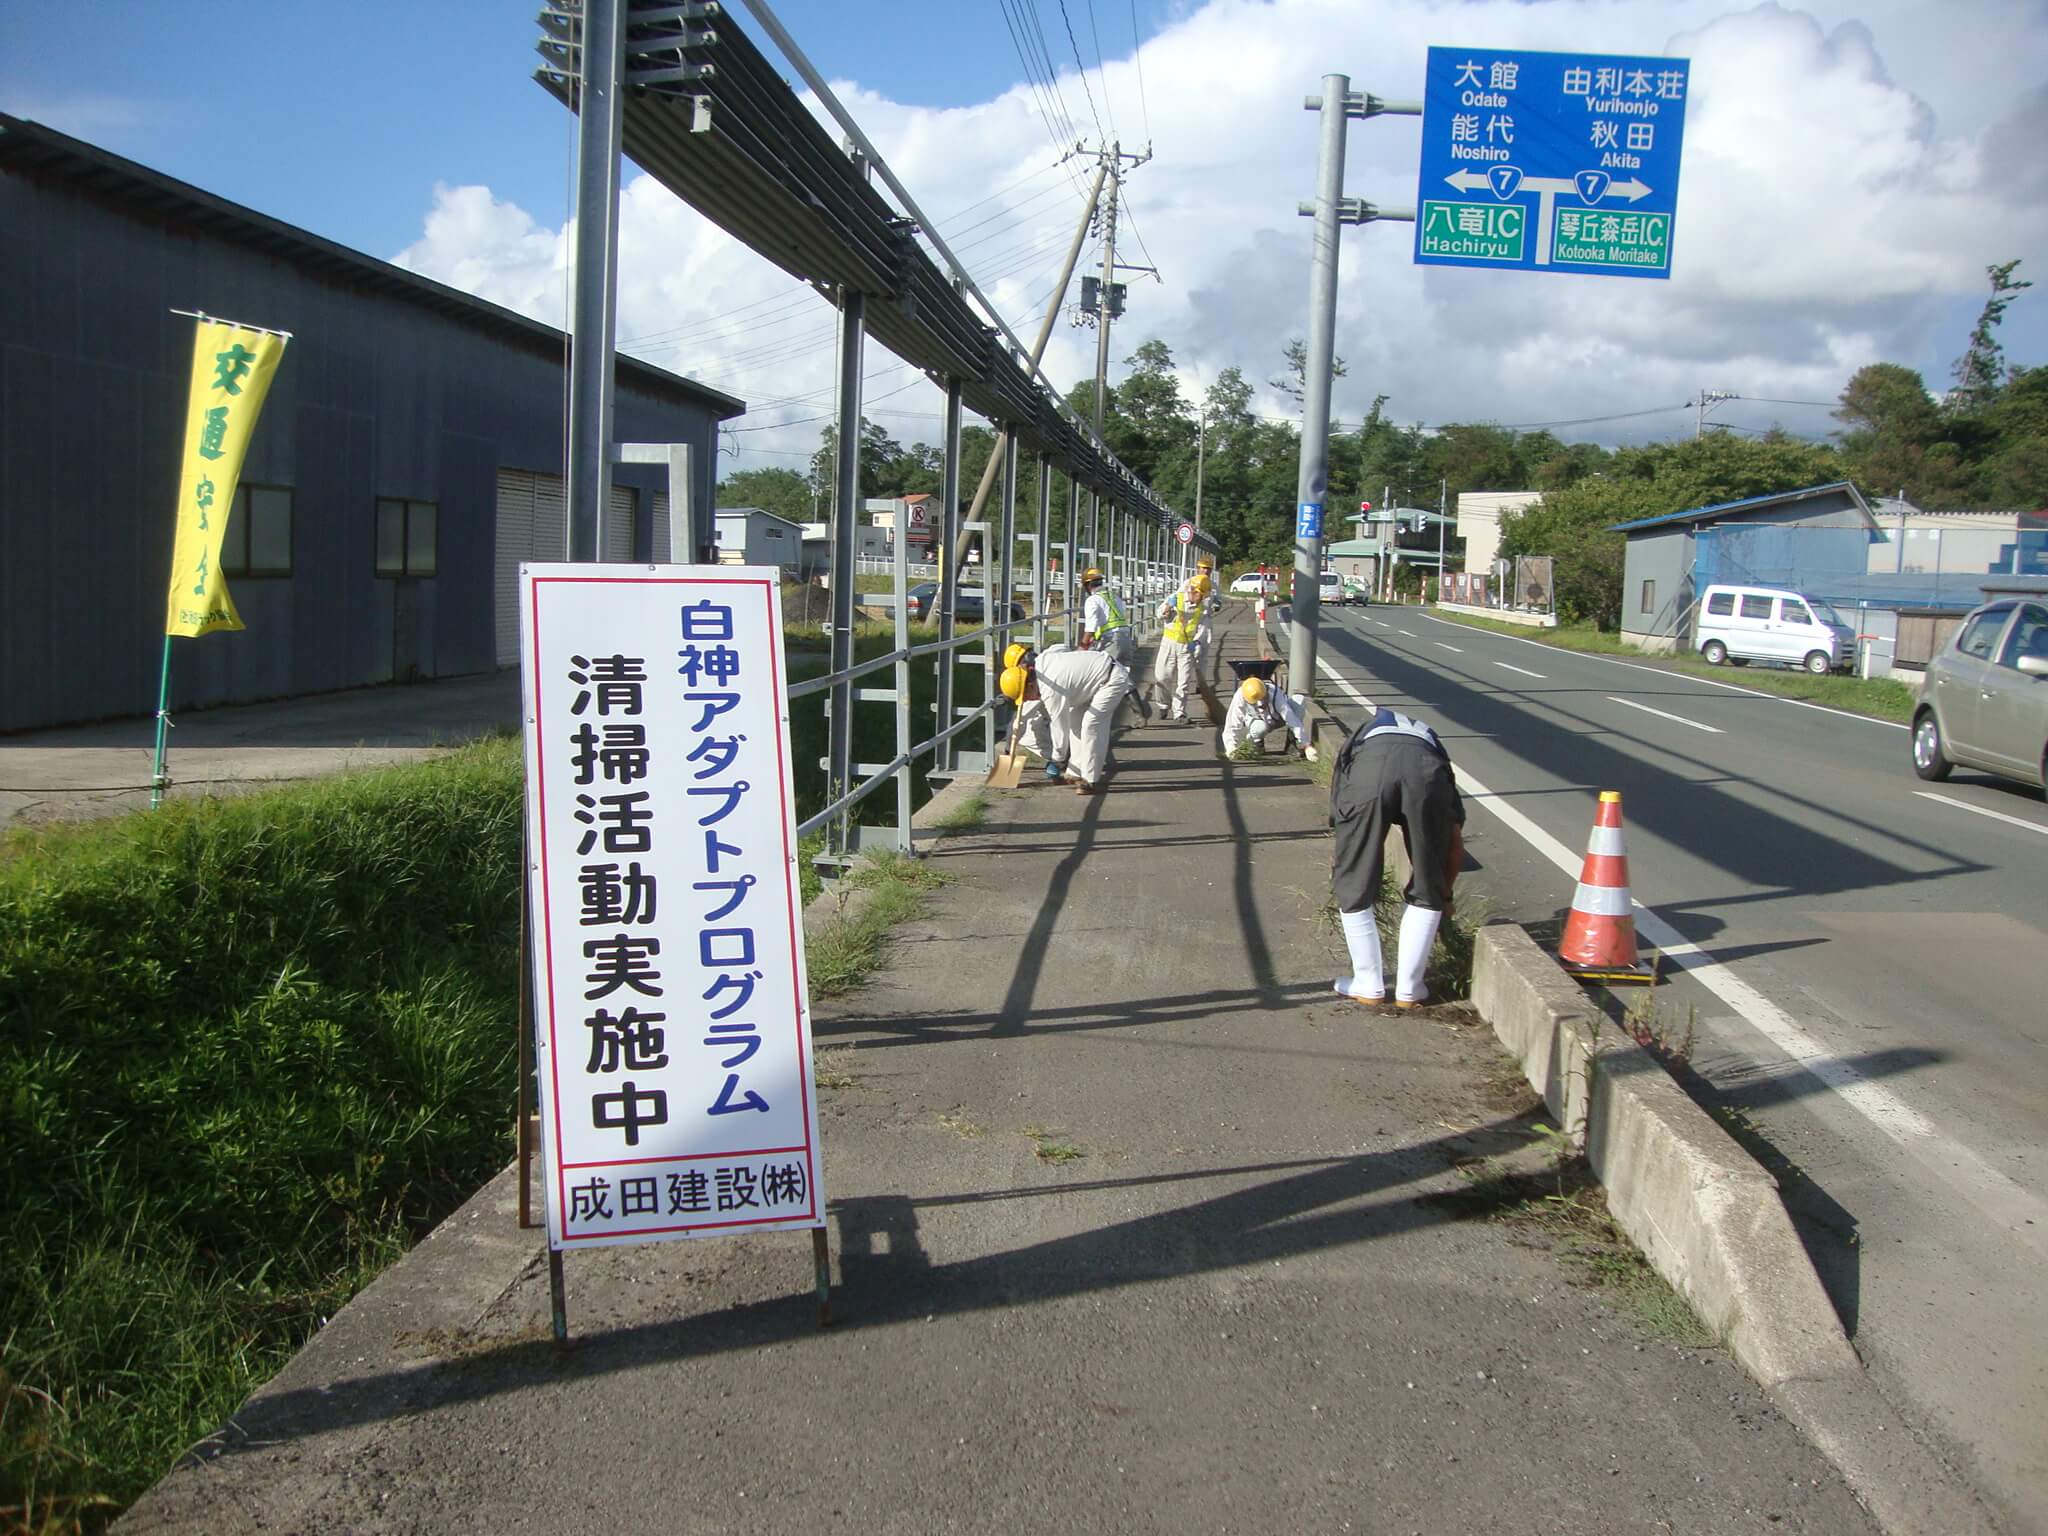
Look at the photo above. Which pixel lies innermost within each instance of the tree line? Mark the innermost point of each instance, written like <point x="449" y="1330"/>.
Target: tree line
<point x="1983" y="443"/>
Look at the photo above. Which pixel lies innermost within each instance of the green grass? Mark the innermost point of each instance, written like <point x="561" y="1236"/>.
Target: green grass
<point x="1879" y="697"/>
<point x="249" y="1049"/>
<point x="845" y="949"/>
<point x="966" y="816"/>
<point x="1449" y="972"/>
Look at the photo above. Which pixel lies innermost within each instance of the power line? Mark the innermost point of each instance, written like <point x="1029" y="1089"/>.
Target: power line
<point x="1082" y="68"/>
<point x="1138" y="58"/>
<point x="1101" y="73"/>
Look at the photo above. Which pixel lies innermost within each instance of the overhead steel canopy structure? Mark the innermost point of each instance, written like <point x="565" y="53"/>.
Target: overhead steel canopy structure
<point x="706" y="114"/>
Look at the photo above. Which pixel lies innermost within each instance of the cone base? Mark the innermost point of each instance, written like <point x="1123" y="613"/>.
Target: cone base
<point x="1641" y="974"/>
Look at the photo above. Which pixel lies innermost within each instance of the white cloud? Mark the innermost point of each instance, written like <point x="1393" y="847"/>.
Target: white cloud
<point x="1848" y="175"/>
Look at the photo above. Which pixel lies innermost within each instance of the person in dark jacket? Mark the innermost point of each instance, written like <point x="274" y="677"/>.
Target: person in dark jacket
<point x="1393" y="772"/>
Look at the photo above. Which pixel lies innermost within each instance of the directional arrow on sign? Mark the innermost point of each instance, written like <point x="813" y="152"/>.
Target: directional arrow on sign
<point x="1479" y="181"/>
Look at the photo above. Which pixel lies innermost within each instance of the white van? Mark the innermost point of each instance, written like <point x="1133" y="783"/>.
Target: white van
<point x="1771" y="624"/>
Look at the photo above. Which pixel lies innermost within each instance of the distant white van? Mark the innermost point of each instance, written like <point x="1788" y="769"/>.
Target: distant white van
<point x="1771" y="624"/>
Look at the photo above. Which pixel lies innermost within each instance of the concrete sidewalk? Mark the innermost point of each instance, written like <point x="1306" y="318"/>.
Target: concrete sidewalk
<point x="104" y="769"/>
<point x="1251" y="1296"/>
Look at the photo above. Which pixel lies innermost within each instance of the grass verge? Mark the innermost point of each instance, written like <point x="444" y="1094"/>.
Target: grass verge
<point x="1565" y="1212"/>
<point x="1879" y="697"/>
<point x="884" y="889"/>
<point x="250" y="1048"/>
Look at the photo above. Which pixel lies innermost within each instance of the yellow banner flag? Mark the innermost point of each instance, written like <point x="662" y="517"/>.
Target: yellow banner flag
<point x="231" y="372"/>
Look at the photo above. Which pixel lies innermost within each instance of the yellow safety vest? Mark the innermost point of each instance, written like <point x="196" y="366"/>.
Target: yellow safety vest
<point x="1182" y="627"/>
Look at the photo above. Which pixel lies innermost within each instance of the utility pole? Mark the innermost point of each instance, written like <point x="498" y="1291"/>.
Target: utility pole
<point x="1706" y="398"/>
<point x="1201" y="452"/>
<point x="1331" y="209"/>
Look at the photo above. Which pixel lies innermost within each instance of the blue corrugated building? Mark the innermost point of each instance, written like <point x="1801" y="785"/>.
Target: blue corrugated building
<point x="409" y="456"/>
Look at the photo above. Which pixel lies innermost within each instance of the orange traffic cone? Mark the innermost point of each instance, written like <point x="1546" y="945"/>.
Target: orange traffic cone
<point x="1600" y="934"/>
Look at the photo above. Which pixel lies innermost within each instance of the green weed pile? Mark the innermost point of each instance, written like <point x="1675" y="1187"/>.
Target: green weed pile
<point x="249" y="1049"/>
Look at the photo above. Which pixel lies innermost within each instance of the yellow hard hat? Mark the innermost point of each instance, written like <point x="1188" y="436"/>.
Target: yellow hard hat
<point x="1203" y="584"/>
<point x="1091" y="574"/>
<point x="1206" y="563"/>
<point x="1014" y="656"/>
<point x="1012" y="683"/>
<point x="1254" y="688"/>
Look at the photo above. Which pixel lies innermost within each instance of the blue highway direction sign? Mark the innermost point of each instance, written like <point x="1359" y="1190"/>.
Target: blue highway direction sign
<point x="1558" y="162"/>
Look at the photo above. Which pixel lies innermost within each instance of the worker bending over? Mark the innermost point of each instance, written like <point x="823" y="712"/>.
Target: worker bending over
<point x="1257" y="709"/>
<point x="1081" y="691"/>
<point x="1393" y="772"/>
<point x="1175" y="667"/>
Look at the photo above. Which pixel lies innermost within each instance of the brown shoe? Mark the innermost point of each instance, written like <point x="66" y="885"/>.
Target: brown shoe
<point x="1083" y="787"/>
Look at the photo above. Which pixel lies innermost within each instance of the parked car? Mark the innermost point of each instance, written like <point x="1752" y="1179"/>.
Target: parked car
<point x="967" y="609"/>
<point x="1985" y="701"/>
<point x="1253" y="584"/>
<point x="1330" y="589"/>
<point x="1774" y="625"/>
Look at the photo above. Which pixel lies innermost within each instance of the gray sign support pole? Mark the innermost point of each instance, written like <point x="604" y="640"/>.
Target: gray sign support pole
<point x="596" y="276"/>
<point x="1332" y="210"/>
<point x="1315" y="401"/>
<point x="949" y="573"/>
<point x="845" y="537"/>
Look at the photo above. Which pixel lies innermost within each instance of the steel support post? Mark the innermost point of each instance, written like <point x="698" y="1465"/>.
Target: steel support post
<point x="949" y="574"/>
<point x="1315" y="405"/>
<point x="900" y="673"/>
<point x="601" y="62"/>
<point x="1040" y="584"/>
<point x="1072" y="574"/>
<point x="845" y="537"/>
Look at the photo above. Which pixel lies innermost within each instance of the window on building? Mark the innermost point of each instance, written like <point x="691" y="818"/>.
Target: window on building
<point x="258" y="541"/>
<point x="406" y="537"/>
<point x="1649" y="597"/>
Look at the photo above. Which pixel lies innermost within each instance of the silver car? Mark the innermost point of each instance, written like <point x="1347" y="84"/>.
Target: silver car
<point x="1985" y="703"/>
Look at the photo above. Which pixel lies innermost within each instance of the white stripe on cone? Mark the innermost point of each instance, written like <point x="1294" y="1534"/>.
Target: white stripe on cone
<point x="1601" y="900"/>
<point x="1606" y="840"/>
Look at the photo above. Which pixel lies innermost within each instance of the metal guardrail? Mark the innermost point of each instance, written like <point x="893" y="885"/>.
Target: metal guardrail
<point x="1149" y="583"/>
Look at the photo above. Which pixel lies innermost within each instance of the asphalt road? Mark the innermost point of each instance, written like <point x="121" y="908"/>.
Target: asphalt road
<point x="1863" y="977"/>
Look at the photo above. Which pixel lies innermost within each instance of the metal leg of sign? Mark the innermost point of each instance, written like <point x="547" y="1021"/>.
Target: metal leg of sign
<point x="558" y="1297"/>
<point x="821" y="1255"/>
<point x="528" y="1064"/>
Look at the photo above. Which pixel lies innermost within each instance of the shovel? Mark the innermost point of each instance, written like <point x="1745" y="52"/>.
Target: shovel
<point x="1007" y="771"/>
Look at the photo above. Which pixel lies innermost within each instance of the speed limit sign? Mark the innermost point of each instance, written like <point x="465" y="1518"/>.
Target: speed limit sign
<point x="1185" y="533"/>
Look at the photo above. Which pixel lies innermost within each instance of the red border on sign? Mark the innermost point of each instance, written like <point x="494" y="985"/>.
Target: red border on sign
<point x="782" y="786"/>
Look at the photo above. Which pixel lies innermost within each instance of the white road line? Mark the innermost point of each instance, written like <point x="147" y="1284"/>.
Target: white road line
<point x="1408" y="632"/>
<point x="1707" y="682"/>
<point x="1451" y="648"/>
<point x="2018" y="1210"/>
<point x="1524" y="671"/>
<point x="1964" y="805"/>
<point x="1714" y="730"/>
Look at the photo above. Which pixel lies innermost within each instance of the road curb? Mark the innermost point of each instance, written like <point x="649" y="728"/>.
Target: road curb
<point x="1709" y="1219"/>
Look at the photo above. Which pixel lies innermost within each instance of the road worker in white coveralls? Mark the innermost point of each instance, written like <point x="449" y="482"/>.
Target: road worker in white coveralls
<point x="1258" y="709"/>
<point x="1081" y="691"/>
<point x="1034" y="720"/>
<point x="1104" y="626"/>
<point x="1182" y="615"/>
<point x="1205" y="577"/>
<point x="1393" y="772"/>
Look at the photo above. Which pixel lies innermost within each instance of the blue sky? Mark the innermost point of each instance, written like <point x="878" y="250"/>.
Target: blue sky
<point x="1851" y="167"/>
<point x="353" y="110"/>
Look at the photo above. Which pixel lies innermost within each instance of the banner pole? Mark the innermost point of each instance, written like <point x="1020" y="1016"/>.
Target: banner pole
<point x="158" y="780"/>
